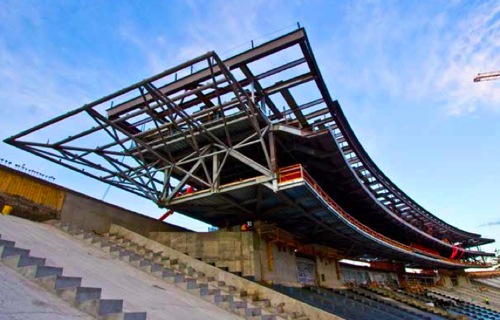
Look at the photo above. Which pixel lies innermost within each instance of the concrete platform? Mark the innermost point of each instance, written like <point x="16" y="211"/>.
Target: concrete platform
<point x="118" y="280"/>
<point x="22" y="300"/>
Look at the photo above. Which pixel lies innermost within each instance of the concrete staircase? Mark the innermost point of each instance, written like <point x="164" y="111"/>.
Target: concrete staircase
<point x="180" y="270"/>
<point x="68" y="289"/>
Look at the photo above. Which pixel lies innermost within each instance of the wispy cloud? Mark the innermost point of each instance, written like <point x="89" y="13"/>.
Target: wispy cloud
<point x="489" y="224"/>
<point x="475" y="49"/>
<point x="222" y="26"/>
<point x="427" y="56"/>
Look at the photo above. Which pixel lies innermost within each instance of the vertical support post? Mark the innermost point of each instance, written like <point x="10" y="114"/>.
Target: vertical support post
<point x="253" y="91"/>
<point x="215" y="169"/>
<point x="272" y="152"/>
<point x="273" y="160"/>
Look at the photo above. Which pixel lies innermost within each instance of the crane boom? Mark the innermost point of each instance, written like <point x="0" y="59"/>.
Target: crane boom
<point x="487" y="76"/>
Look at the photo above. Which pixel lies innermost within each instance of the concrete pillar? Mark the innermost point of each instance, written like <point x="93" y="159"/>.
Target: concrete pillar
<point x="277" y="264"/>
<point x="463" y="281"/>
<point x="328" y="273"/>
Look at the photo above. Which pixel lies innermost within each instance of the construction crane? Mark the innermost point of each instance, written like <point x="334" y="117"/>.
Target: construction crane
<point x="487" y="76"/>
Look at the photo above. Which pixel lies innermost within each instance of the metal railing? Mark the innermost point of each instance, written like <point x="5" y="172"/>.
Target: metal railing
<point x="297" y="172"/>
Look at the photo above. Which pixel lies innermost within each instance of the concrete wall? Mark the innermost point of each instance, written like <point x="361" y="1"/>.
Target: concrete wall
<point x="92" y="214"/>
<point x="279" y="265"/>
<point x="233" y="250"/>
<point x="249" y="254"/>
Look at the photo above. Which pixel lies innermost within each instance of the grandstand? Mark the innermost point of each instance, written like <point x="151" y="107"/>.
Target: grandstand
<point x="255" y="146"/>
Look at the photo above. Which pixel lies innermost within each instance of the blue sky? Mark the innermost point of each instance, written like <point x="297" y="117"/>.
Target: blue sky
<point x="402" y="70"/>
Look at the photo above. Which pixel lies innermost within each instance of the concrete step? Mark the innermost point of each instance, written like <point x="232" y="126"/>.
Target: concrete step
<point x="47" y="271"/>
<point x="112" y="249"/>
<point x="101" y="307"/>
<point x="248" y="312"/>
<point x="62" y="225"/>
<point x="18" y="261"/>
<point x="150" y="254"/>
<point x="9" y="251"/>
<point x="7" y="243"/>
<point x="30" y="261"/>
<point x="97" y="240"/>
<point x="131" y="257"/>
<point x="38" y="272"/>
<point x="85" y="235"/>
<point x="75" y="230"/>
<point x="218" y="298"/>
<point x="165" y="273"/>
<point x="79" y="294"/>
<point x="63" y="282"/>
<point x="181" y="274"/>
<point x="155" y="267"/>
<point x="265" y="303"/>
<point x="122" y="253"/>
<point x="134" y="316"/>
<point x="141" y="262"/>
<point x="55" y="282"/>
<point x="67" y="288"/>
<point x="187" y="284"/>
<point x="91" y="239"/>
<point x="104" y="243"/>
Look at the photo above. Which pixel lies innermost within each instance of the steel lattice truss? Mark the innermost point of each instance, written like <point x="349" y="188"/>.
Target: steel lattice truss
<point x="209" y="123"/>
<point x="177" y="109"/>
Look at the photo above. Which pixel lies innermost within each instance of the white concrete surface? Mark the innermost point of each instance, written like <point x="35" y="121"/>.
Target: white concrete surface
<point x="22" y="300"/>
<point x="139" y="290"/>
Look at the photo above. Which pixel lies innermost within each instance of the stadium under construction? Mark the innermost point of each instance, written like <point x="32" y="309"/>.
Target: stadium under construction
<point x="255" y="145"/>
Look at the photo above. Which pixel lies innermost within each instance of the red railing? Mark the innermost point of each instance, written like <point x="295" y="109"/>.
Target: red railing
<point x="297" y="172"/>
<point x="290" y="173"/>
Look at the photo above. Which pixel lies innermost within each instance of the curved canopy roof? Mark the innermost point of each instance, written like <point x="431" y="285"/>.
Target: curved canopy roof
<point x="210" y="122"/>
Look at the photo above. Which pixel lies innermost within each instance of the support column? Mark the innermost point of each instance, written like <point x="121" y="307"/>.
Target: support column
<point x="274" y="161"/>
<point x="328" y="273"/>
<point x="215" y="177"/>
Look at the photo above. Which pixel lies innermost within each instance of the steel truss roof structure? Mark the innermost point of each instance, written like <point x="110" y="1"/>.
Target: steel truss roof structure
<point x="227" y="129"/>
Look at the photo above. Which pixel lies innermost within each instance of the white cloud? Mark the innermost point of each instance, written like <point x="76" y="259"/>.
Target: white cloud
<point x="425" y="56"/>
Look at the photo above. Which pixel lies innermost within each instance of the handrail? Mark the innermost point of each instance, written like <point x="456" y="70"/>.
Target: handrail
<point x="297" y="172"/>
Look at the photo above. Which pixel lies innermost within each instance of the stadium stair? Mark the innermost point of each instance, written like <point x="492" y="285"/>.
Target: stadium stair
<point x="491" y="282"/>
<point x="390" y="304"/>
<point x="471" y="310"/>
<point x="69" y="289"/>
<point x="351" y="305"/>
<point x="476" y="296"/>
<point x="415" y="301"/>
<point x="374" y="307"/>
<point x="182" y="274"/>
<point x="340" y="306"/>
